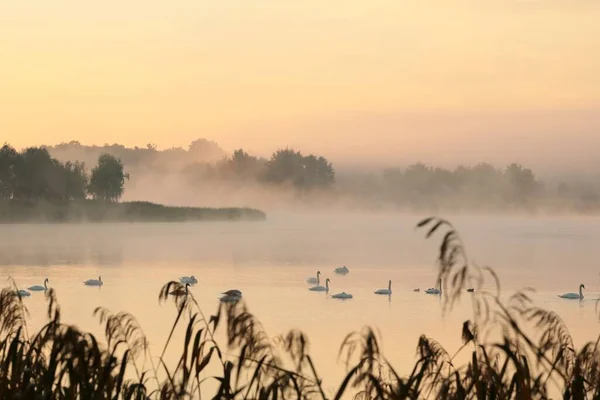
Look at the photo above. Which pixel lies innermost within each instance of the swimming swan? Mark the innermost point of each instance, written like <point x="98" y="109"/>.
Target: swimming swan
<point x="385" y="291"/>
<point x="180" y="291"/>
<point x="229" y="299"/>
<point x="321" y="288"/>
<point x="231" y="296"/>
<point x="312" y="279"/>
<point x="188" y="279"/>
<point x="341" y="270"/>
<point x="342" y="295"/>
<point x="94" y="282"/>
<point x="38" y="288"/>
<point x="233" y="292"/>
<point x="435" y="290"/>
<point x="573" y="295"/>
<point x="22" y="293"/>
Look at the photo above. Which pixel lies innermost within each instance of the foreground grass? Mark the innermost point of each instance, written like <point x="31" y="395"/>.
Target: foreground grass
<point x="61" y="362"/>
<point x="100" y="211"/>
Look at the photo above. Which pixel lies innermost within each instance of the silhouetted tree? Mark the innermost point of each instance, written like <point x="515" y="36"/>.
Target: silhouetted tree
<point x="318" y="172"/>
<point x="206" y="150"/>
<point x="243" y="166"/>
<point x="522" y="182"/>
<point x="284" y="166"/>
<point x="289" y="166"/>
<point x="38" y="176"/>
<point x="76" y="180"/>
<point x="9" y="159"/>
<point x="108" y="179"/>
<point x="417" y="179"/>
<point x="35" y="175"/>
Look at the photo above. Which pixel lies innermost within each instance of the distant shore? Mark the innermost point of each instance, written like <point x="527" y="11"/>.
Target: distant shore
<point x="17" y="211"/>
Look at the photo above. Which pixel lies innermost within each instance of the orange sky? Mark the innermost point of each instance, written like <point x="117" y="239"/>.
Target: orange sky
<point x="138" y="71"/>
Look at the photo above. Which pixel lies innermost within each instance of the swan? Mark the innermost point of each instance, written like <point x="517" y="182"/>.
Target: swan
<point x="233" y="292"/>
<point x="229" y="299"/>
<point x="22" y="293"/>
<point x="385" y="291"/>
<point x="574" y="295"/>
<point x="231" y="296"/>
<point x="94" y="282"/>
<point x="180" y="291"/>
<point x="38" y="288"/>
<point x="312" y="279"/>
<point x="342" y="295"/>
<point x="321" y="288"/>
<point x="341" y="270"/>
<point x="435" y="290"/>
<point x="188" y="279"/>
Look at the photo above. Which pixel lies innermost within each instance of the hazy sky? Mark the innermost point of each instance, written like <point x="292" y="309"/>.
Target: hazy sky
<point x="252" y="73"/>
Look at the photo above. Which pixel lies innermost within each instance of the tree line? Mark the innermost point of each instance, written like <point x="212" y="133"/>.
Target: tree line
<point x="206" y="161"/>
<point x="205" y="164"/>
<point x="34" y="175"/>
<point x="286" y="167"/>
<point x="513" y="184"/>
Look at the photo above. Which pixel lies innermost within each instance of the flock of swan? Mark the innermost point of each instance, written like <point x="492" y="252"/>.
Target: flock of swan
<point x="436" y="290"/>
<point x="234" y="295"/>
<point x="318" y="288"/>
<point x="35" y="288"/>
<point x="343" y="295"/>
<point x="228" y="296"/>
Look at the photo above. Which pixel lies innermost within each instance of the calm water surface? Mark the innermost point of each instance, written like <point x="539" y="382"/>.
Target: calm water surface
<point x="270" y="261"/>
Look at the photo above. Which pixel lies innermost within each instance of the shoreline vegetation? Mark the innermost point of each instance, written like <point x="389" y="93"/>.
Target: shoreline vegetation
<point x="36" y="187"/>
<point x="98" y="211"/>
<point x="512" y="348"/>
<point x="290" y="177"/>
<point x="287" y="179"/>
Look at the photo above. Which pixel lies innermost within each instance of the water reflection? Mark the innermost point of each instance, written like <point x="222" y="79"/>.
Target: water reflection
<point x="53" y="254"/>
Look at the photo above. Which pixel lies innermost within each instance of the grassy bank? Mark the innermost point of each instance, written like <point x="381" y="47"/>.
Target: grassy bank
<point x="99" y="211"/>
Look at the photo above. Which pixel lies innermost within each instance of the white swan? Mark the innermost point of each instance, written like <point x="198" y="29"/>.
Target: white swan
<point x="385" y="291"/>
<point x="38" y="288"/>
<point x="573" y="295"/>
<point x="342" y="295"/>
<point x="180" y="291"/>
<point x="321" y="288"/>
<point x="188" y="279"/>
<point x="435" y="290"/>
<point x="22" y="293"/>
<point x="312" y="279"/>
<point x="94" y="282"/>
<point x="341" y="270"/>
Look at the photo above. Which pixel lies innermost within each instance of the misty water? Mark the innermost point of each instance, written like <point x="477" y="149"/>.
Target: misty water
<point x="270" y="261"/>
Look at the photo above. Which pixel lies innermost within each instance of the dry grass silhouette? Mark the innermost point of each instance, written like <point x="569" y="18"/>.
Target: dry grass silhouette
<point x="532" y="351"/>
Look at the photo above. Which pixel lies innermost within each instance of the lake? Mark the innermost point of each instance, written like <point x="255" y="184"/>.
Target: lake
<point x="270" y="261"/>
